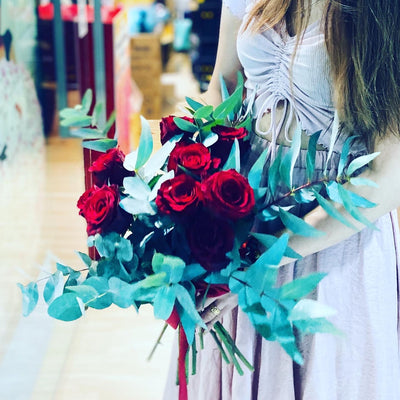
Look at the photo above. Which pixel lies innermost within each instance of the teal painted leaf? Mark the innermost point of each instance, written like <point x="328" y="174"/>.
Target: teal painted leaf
<point x="316" y="325"/>
<point x="192" y="271"/>
<point x="300" y="287"/>
<point x="97" y="113"/>
<point x="268" y="240"/>
<point x="309" y="309"/>
<point x="158" y="159"/>
<point x="352" y="210"/>
<point x="87" y="100"/>
<point x="224" y="90"/>
<point x="101" y="145"/>
<point x="289" y="160"/>
<point x="291" y="348"/>
<point x="189" y="326"/>
<point x="85" y="258"/>
<point x="164" y="302"/>
<point x="145" y="147"/>
<point x="84" y="292"/>
<point x="204" y="112"/>
<point x="261" y="277"/>
<point x="137" y="206"/>
<point x="64" y="269"/>
<point x="78" y="121"/>
<point x="256" y="170"/>
<point x="109" y="123"/>
<point x="233" y="161"/>
<point x="297" y="225"/>
<point x="122" y="292"/>
<point x="304" y="196"/>
<point x="274" y="254"/>
<point x="363" y="182"/>
<point x="210" y="139"/>
<point x="332" y="211"/>
<point x="171" y="265"/>
<point x="67" y="307"/>
<point x="87" y="133"/>
<point x="71" y="113"/>
<point x="104" y="298"/>
<point x="359" y="162"/>
<point x="30" y="297"/>
<point x="311" y="152"/>
<point x="187" y="303"/>
<point x="193" y="103"/>
<point x="136" y="188"/>
<point x="274" y="176"/>
<point x="268" y="214"/>
<point x="54" y="287"/>
<point x="345" y="154"/>
<point x="185" y="126"/>
<point x="154" y="280"/>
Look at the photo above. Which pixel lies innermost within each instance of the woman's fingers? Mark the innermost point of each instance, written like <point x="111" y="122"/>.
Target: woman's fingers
<point x="216" y="308"/>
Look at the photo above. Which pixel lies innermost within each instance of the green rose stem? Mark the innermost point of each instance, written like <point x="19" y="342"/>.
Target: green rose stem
<point x="194" y="357"/>
<point x="229" y="349"/>
<point x="218" y="326"/>
<point x="219" y="344"/>
<point x="201" y="337"/>
<point x="157" y="342"/>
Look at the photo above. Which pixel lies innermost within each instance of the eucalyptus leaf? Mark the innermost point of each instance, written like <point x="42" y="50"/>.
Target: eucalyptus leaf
<point x="274" y="172"/>
<point x="97" y="113"/>
<point x="30" y="297"/>
<point x="256" y="170"/>
<point x="185" y="126"/>
<point x="311" y="152"/>
<point x="87" y="133"/>
<point x="187" y="303"/>
<point x="363" y="182"/>
<point x="85" y="258"/>
<point x="145" y="147"/>
<point x="233" y="161"/>
<point x="274" y="254"/>
<point x="289" y="160"/>
<point x="87" y="100"/>
<point x="308" y="309"/>
<point x="316" y="325"/>
<point x="345" y="154"/>
<point x="304" y="196"/>
<point x="203" y="112"/>
<point x="211" y="139"/>
<point x="68" y="113"/>
<point x="109" y="123"/>
<point x="137" y="206"/>
<point x="104" y="298"/>
<point x="297" y="225"/>
<point x="192" y="271"/>
<point x="78" y="121"/>
<point x="154" y="280"/>
<point x="352" y="210"/>
<point x="122" y="292"/>
<point x="164" y="302"/>
<point x="64" y="269"/>
<point x="268" y="240"/>
<point x="332" y="211"/>
<point x="224" y="90"/>
<point x="136" y="187"/>
<point x="193" y="103"/>
<point x="67" y="307"/>
<point x="84" y="292"/>
<point x="360" y="162"/>
<point x="101" y="145"/>
<point x="300" y="287"/>
<point x="54" y="287"/>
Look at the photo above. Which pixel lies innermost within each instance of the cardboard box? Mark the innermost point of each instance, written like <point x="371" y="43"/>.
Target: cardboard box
<point x="146" y="46"/>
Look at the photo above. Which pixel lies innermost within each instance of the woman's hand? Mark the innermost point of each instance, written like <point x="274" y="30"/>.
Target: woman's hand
<point x="215" y="308"/>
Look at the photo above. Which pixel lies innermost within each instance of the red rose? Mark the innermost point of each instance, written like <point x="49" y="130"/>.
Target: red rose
<point x="168" y="128"/>
<point x="109" y="168"/>
<point x="99" y="206"/>
<point x="179" y="195"/>
<point x="229" y="133"/>
<point x="228" y="194"/>
<point x="194" y="157"/>
<point x="210" y="290"/>
<point x="209" y="239"/>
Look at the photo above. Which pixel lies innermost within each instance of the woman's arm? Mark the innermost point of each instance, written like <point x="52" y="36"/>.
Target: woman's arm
<point x="227" y="62"/>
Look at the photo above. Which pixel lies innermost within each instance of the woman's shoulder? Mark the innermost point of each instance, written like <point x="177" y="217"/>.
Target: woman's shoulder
<point x="238" y="7"/>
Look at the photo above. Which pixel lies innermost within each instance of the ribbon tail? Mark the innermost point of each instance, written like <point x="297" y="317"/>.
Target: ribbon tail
<point x="183" y="349"/>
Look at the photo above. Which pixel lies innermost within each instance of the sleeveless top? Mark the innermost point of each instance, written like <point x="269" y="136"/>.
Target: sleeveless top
<point x="302" y="85"/>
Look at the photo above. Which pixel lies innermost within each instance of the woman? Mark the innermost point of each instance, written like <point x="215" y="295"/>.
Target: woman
<point x="302" y="61"/>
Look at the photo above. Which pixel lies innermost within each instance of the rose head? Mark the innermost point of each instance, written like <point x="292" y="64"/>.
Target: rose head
<point x="209" y="239"/>
<point x="110" y="167"/>
<point x="229" y="133"/>
<point x="181" y="194"/>
<point x="228" y="194"/>
<point x="168" y="128"/>
<point x="194" y="157"/>
<point x="99" y="206"/>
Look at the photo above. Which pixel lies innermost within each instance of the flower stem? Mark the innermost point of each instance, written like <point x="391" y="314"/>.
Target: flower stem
<point x="221" y="349"/>
<point x="157" y="342"/>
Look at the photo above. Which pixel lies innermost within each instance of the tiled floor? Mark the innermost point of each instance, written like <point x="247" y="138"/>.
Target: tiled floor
<point x="103" y="355"/>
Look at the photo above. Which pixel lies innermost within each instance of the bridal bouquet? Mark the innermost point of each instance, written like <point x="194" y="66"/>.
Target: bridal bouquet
<point x="174" y="227"/>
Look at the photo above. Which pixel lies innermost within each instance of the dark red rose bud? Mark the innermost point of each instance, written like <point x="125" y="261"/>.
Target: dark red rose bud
<point x="99" y="206"/>
<point x="109" y="168"/>
<point x="229" y="133"/>
<point x="168" y="128"/>
<point x="194" y="157"/>
<point x="228" y="194"/>
<point x="209" y="239"/>
<point x="181" y="194"/>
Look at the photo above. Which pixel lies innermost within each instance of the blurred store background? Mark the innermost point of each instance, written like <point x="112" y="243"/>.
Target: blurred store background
<point x="139" y="57"/>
